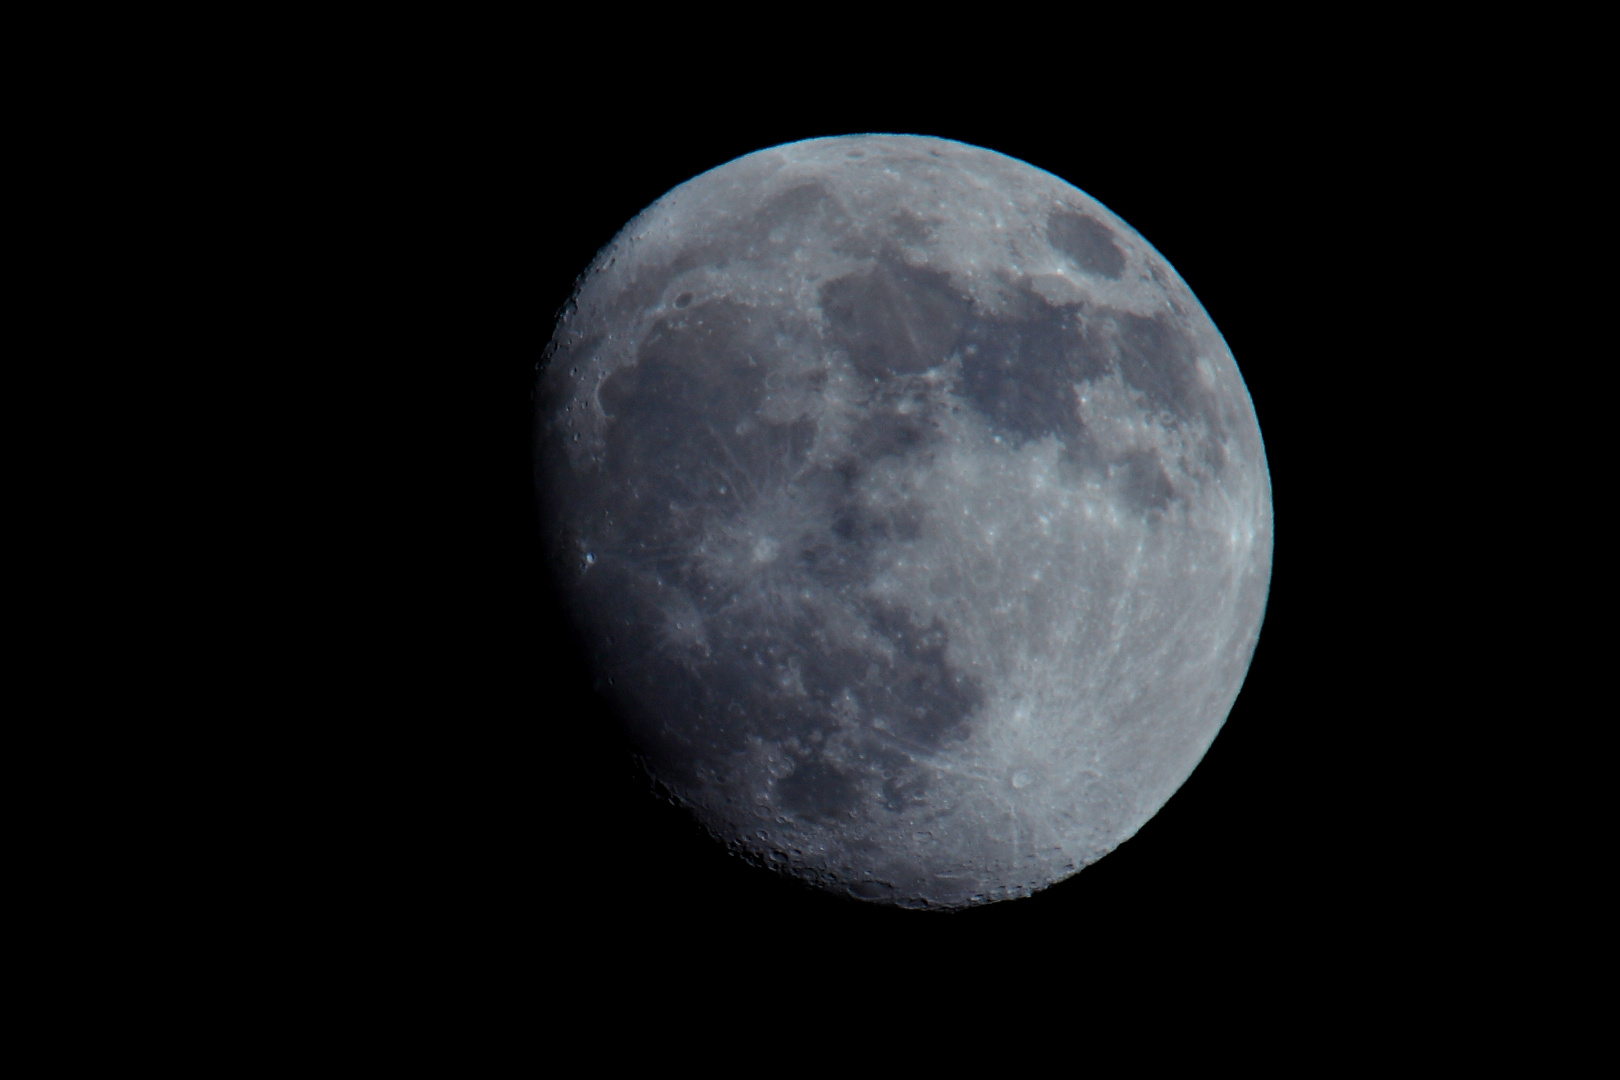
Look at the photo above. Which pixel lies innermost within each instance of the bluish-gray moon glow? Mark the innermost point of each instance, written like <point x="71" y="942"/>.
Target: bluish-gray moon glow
<point x="912" y="511"/>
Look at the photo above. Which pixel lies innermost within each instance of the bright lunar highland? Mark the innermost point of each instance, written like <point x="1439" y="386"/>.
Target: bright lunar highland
<point x="911" y="510"/>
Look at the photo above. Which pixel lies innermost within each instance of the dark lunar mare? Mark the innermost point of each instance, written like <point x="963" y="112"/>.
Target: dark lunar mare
<point x="688" y="455"/>
<point x="1020" y="365"/>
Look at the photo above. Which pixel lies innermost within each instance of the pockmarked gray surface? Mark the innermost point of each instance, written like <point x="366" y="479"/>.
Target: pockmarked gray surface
<point x="912" y="510"/>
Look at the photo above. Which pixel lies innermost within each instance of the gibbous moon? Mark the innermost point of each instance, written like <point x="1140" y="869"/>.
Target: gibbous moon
<point x="911" y="510"/>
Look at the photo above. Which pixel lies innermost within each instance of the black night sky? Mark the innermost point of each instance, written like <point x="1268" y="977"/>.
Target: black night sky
<point x="502" y="810"/>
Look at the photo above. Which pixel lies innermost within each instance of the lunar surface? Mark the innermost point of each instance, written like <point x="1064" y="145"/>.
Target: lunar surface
<point x="912" y="511"/>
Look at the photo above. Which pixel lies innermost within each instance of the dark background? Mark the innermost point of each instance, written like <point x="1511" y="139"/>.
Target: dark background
<point x="502" y="812"/>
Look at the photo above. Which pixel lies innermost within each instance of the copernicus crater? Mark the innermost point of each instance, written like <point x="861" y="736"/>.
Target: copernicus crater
<point x="912" y="511"/>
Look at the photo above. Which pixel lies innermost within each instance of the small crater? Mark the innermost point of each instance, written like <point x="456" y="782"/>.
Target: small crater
<point x="683" y="300"/>
<point x="871" y="890"/>
<point x="1087" y="242"/>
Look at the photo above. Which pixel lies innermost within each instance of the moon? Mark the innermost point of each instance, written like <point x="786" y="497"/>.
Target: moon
<point x="911" y="510"/>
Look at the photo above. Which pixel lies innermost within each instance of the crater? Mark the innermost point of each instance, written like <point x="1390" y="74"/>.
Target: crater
<point x="1087" y="242"/>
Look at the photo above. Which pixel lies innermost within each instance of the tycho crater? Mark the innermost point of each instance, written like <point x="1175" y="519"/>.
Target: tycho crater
<point x="911" y="509"/>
